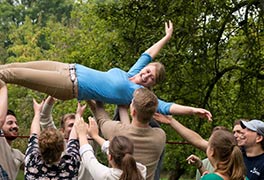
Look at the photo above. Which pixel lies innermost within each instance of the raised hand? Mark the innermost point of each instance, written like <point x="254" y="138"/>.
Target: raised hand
<point x="169" y="29"/>
<point x="93" y="130"/>
<point x="194" y="160"/>
<point x="80" y="109"/>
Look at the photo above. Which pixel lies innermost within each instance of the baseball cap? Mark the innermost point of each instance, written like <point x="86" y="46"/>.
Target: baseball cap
<point x="253" y="125"/>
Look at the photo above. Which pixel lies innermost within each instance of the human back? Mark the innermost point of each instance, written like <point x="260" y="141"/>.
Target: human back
<point x="148" y="142"/>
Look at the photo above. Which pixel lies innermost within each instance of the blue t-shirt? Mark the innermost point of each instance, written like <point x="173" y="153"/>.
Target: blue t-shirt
<point x="255" y="166"/>
<point x="113" y="86"/>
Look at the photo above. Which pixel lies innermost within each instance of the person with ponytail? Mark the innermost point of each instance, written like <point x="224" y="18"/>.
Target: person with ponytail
<point x="119" y="155"/>
<point x="225" y="156"/>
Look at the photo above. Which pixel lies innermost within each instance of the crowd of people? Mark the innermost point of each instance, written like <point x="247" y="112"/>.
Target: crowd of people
<point x="134" y="148"/>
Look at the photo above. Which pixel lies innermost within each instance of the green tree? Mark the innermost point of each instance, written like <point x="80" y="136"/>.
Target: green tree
<point x="214" y="59"/>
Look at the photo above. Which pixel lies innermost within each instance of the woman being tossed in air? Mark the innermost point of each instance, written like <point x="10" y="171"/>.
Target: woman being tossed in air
<point x="67" y="81"/>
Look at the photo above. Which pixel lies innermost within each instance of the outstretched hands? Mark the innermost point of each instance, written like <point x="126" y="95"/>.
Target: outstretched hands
<point x="37" y="106"/>
<point x="80" y="126"/>
<point x="195" y="161"/>
<point x="164" y="119"/>
<point x="35" y="125"/>
<point x="203" y="113"/>
<point x="80" y="109"/>
<point x="93" y="130"/>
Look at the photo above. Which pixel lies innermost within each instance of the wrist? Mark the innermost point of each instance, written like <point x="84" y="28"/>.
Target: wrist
<point x="200" y="165"/>
<point x="2" y="83"/>
<point x="95" y="136"/>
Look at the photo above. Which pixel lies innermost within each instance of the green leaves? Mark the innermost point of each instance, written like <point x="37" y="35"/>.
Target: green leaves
<point x="214" y="59"/>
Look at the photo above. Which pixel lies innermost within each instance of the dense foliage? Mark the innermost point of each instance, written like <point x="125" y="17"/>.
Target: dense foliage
<point x="214" y="59"/>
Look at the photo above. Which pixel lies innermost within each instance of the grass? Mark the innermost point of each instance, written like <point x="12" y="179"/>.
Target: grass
<point x="20" y="175"/>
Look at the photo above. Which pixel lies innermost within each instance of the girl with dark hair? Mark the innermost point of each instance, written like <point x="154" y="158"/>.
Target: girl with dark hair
<point x="119" y="154"/>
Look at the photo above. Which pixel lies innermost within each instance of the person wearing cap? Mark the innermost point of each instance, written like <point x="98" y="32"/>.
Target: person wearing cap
<point x="249" y="138"/>
<point x="253" y="144"/>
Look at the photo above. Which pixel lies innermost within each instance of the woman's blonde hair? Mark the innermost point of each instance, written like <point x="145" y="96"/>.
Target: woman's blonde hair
<point x="160" y="71"/>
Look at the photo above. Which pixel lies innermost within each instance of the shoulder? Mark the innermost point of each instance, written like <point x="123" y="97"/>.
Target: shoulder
<point x="211" y="176"/>
<point x="159" y="131"/>
<point x="18" y="154"/>
<point x="158" y="134"/>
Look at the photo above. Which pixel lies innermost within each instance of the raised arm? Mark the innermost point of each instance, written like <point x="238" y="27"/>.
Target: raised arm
<point x="80" y="109"/>
<point x="3" y="102"/>
<point x="35" y="125"/>
<point x="89" y="161"/>
<point x="124" y="117"/>
<point x="78" y="117"/>
<point x="155" y="48"/>
<point x="46" y="119"/>
<point x="189" y="135"/>
<point x="99" y="112"/>
<point x="106" y="125"/>
<point x="93" y="131"/>
<point x="81" y="129"/>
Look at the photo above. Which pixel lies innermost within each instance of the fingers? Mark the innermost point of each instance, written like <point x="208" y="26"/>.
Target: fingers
<point x="192" y="159"/>
<point x="169" y="27"/>
<point x="92" y="122"/>
<point x="209" y="118"/>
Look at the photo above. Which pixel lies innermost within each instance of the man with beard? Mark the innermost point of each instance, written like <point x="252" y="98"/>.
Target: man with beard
<point x="10" y="159"/>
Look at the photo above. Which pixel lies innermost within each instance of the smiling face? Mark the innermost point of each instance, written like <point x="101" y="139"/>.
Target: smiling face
<point x="237" y="131"/>
<point x="68" y="127"/>
<point x="147" y="76"/>
<point x="10" y="128"/>
<point x="251" y="138"/>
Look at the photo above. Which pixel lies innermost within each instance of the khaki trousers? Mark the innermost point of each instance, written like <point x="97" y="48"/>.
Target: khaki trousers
<point x="53" y="78"/>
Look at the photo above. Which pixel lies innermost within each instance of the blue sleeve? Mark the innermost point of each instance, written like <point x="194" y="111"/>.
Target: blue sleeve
<point x="164" y="107"/>
<point x="144" y="59"/>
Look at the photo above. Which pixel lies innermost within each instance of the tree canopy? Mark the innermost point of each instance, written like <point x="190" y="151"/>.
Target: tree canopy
<point x="214" y="59"/>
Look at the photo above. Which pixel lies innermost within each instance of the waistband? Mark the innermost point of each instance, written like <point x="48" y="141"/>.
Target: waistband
<point x="74" y="80"/>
